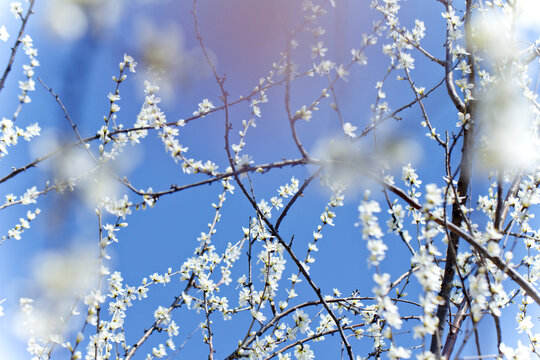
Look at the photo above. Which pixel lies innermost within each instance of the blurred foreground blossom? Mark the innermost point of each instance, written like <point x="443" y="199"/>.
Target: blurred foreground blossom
<point x="493" y="35"/>
<point x="500" y="37"/>
<point x="60" y="278"/>
<point x="65" y="273"/>
<point x="506" y="123"/>
<point x="348" y="162"/>
<point x="77" y="168"/>
<point x="72" y="19"/>
<point x="507" y="111"/>
<point x="169" y="62"/>
<point x="344" y="161"/>
<point x="528" y="11"/>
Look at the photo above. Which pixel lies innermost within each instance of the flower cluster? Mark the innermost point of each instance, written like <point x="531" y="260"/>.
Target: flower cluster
<point x="10" y="134"/>
<point x="371" y="229"/>
<point x="24" y="224"/>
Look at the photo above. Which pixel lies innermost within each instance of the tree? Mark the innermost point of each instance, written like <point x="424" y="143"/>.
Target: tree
<point x="444" y="260"/>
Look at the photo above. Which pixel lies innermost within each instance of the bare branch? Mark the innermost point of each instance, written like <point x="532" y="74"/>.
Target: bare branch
<point x="17" y="44"/>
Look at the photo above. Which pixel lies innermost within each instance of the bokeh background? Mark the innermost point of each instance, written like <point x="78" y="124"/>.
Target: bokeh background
<point x="80" y="44"/>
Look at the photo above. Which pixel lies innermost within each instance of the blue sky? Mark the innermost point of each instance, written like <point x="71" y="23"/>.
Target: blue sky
<point x="245" y="38"/>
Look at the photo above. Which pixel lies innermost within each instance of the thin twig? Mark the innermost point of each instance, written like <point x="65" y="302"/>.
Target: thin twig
<point x="17" y="43"/>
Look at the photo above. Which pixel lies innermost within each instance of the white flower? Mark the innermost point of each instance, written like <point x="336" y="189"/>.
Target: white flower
<point x="257" y="315"/>
<point x="426" y="355"/>
<point x="244" y="161"/>
<point x="318" y="50"/>
<point x="410" y="177"/>
<point x="303" y="113"/>
<point x="16" y="9"/>
<point x="342" y="72"/>
<point x="324" y="67"/>
<point x="433" y="196"/>
<point x="522" y="352"/>
<point x="204" y="107"/>
<point x="524" y="323"/>
<point x="349" y="129"/>
<point x="406" y="61"/>
<point x="399" y="352"/>
<point x="303" y="352"/>
<point x="163" y="315"/>
<point x="302" y="320"/>
<point x="29" y="196"/>
<point x="463" y="119"/>
<point x="28" y="85"/>
<point x="159" y="353"/>
<point x="359" y="57"/>
<point x="130" y="62"/>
